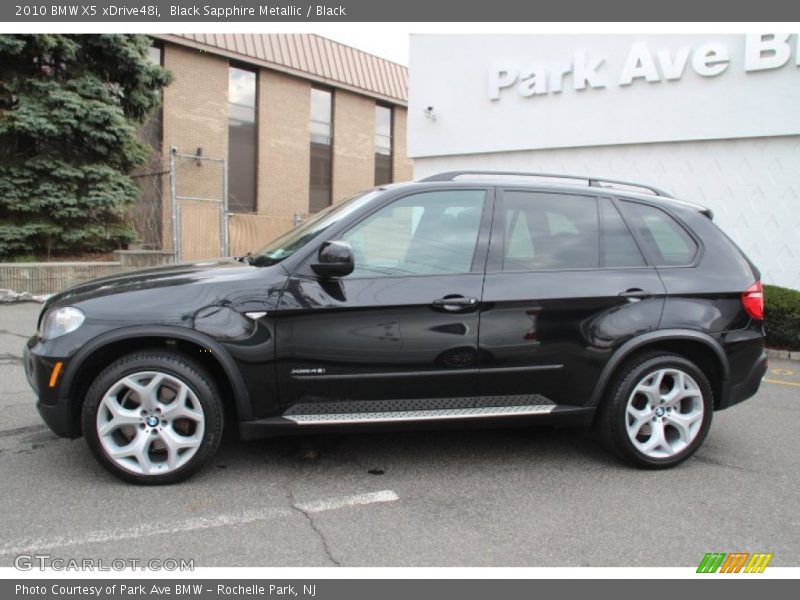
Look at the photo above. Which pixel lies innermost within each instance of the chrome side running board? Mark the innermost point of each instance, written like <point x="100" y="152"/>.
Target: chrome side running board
<point x="419" y="415"/>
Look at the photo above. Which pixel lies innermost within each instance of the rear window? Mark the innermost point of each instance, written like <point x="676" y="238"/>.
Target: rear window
<point x="663" y="237"/>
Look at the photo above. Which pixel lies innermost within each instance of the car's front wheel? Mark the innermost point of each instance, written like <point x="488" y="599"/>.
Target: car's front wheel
<point x="657" y="411"/>
<point x="153" y="417"/>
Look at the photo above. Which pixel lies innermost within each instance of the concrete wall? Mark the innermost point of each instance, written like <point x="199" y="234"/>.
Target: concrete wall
<point x="52" y="277"/>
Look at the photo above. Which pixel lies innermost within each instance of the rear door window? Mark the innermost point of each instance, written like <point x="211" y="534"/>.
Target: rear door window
<point x="550" y="231"/>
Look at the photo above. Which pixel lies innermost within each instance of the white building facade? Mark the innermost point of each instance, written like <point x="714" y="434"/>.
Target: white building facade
<point x="713" y="119"/>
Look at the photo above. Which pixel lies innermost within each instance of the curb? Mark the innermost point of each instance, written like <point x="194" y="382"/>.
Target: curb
<point x="12" y="297"/>
<point x="793" y="355"/>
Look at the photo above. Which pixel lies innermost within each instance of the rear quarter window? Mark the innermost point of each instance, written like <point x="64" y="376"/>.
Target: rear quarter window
<point x="664" y="239"/>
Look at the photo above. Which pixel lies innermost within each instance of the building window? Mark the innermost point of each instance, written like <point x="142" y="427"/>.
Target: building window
<point x="321" y="130"/>
<point x="383" y="145"/>
<point x="242" y="140"/>
<point x="155" y="54"/>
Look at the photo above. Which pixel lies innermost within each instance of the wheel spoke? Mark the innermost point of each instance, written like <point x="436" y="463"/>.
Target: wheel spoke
<point x="179" y="408"/>
<point x="120" y="416"/>
<point x="656" y="441"/>
<point x="649" y="387"/>
<point x="641" y="418"/>
<point x="111" y="403"/>
<point x="684" y="424"/>
<point x="138" y="449"/>
<point x="148" y="393"/>
<point x="116" y="422"/>
<point x="174" y="443"/>
<point x="677" y="391"/>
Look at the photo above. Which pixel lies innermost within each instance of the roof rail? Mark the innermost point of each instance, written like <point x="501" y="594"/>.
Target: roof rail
<point x="590" y="181"/>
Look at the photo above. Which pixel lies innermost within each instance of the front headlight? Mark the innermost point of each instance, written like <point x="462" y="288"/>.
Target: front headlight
<point x="60" y="321"/>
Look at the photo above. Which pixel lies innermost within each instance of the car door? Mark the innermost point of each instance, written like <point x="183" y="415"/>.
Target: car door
<point x="566" y="284"/>
<point x="403" y="325"/>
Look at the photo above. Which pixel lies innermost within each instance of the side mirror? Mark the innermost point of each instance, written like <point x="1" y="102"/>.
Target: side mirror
<point x="335" y="259"/>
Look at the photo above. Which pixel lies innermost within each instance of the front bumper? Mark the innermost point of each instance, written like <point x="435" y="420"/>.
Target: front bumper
<point x="55" y="409"/>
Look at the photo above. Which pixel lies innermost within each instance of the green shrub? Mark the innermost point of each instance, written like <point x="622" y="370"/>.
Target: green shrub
<point x="782" y="318"/>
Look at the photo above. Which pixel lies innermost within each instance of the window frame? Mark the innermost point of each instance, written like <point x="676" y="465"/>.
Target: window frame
<point x="497" y="245"/>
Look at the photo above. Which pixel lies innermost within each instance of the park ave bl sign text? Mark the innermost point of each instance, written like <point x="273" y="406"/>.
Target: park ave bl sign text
<point x="644" y="63"/>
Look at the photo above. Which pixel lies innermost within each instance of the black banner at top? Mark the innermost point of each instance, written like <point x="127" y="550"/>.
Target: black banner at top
<point x="277" y="11"/>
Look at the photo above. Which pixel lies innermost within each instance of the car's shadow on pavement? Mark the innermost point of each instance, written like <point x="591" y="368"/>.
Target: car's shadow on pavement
<point x="376" y="453"/>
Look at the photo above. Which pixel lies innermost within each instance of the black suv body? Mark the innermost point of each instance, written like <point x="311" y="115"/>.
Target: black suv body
<point x="464" y="298"/>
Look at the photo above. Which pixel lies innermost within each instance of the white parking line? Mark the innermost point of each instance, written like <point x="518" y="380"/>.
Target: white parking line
<point x="315" y="506"/>
<point x="34" y="546"/>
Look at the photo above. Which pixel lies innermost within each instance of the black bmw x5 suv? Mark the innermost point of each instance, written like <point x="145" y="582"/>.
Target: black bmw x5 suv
<point x="464" y="298"/>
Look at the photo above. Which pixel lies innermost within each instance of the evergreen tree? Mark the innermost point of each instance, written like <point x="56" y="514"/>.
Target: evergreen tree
<point x="70" y="110"/>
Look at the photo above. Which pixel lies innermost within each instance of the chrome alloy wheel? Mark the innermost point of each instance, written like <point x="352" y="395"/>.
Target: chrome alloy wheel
<point x="150" y="423"/>
<point x="664" y="413"/>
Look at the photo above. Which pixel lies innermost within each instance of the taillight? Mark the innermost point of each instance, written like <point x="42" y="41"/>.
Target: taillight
<point x="753" y="301"/>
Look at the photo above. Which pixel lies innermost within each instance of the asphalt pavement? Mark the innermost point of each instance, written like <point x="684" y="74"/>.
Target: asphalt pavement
<point x="509" y="497"/>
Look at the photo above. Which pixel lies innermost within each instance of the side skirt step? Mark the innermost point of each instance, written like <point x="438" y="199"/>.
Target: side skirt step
<point x="524" y="414"/>
<point x="421" y="415"/>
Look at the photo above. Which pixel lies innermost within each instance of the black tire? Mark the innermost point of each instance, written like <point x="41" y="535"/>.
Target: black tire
<point x="611" y="421"/>
<point x="176" y="366"/>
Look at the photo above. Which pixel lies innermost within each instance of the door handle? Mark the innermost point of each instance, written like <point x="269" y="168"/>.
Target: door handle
<point x="455" y="303"/>
<point x="635" y="293"/>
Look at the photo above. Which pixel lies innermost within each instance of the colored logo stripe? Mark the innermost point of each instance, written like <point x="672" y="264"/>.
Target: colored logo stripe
<point x="711" y="562"/>
<point x="734" y="562"/>
<point x="758" y="563"/>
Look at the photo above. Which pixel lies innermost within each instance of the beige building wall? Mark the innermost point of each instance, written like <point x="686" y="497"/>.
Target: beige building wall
<point x="283" y="144"/>
<point x="195" y="116"/>
<point x="353" y="144"/>
<point x="402" y="167"/>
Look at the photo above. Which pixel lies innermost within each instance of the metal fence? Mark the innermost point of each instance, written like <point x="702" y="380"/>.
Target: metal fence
<point x="199" y="203"/>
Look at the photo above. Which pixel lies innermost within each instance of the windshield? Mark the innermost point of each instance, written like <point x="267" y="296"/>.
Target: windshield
<point x="291" y="241"/>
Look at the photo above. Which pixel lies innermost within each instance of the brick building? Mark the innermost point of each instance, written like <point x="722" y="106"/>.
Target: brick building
<point x="300" y="121"/>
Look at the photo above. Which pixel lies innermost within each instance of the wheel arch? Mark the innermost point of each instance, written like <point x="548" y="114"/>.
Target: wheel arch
<point x="100" y="352"/>
<point x="702" y="349"/>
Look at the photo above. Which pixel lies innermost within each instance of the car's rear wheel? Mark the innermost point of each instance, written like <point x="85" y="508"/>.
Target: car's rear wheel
<point x="657" y="411"/>
<point x="153" y="417"/>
